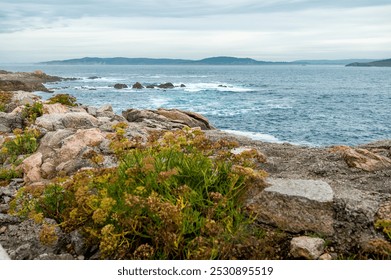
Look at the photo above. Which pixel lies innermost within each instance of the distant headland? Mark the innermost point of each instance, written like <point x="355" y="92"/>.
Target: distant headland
<point x="378" y="63"/>
<point x="219" y="60"/>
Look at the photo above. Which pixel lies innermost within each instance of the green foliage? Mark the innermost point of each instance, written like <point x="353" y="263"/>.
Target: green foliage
<point x="64" y="99"/>
<point x="385" y="226"/>
<point x="23" y="143"/>
<point x="5" y="99"/>
<point x="7" y="174"/>
<point x="179" y="196"/>
<point x="31" y="112"/>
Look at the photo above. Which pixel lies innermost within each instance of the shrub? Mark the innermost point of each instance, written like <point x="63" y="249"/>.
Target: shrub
<point x="5" y="99"/>
<point x="31" y="112"/>
<point x="23" y="143"/>
<point x="6" y="174"/>
<point x="385" y="226"/>
<point x="64" y="99"/>
<point x="179" y="196"/>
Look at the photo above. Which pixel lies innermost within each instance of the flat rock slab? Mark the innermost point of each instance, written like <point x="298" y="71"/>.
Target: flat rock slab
<point x="296" y="205"/>
<point x="3" y="254"/>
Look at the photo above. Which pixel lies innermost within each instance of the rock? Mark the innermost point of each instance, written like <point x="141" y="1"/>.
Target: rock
<point x="189" y="119"/>
<point x="309" y="248"/>
<point x="105" y="108"/>
<point x="3" y="254"/>
<point x="74" y="120"/>
<point x="22" y="240"/>
<point x="296" y="205"/>
<point x="32" y="168"/>
<point x="151" y="86"/>
<point x="91" y="110"/>
<point x="3" y="229"/>
<point x="52" y="256"/>
<point x="78" y="243"/>
<point x="105" y="111"/>
<point x="182" y="85"/>
<point x="166" y="85"/>
<point x="10" y="121"/>
<point x="167" y="119"/>
<point x="362" y="158"/>
<point x="120" y="86"/>
<point x="93" y="77"/>
<point x="56" y="108"/>
<point x="15" y="85"/>
<point x="6" y="219"/>
<point x="326" y="257"/>
<point x="138" y="86"/>
<point x="24" y="98"/>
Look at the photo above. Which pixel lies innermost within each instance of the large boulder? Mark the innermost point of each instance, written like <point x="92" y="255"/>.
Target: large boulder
<point x="73" y="120"/>
<point x="10" y="121"/>
<point x="32" y="168"/>
<point x="3" y="254"/>
<point x="296" y="206"/>
<point x="167" y="119"/>
<point x="363" y="158"/>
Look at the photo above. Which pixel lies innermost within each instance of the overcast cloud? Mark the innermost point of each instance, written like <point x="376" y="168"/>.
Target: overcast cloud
<point x="42" y="30"/>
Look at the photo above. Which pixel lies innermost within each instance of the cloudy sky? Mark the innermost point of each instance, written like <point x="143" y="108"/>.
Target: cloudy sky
<point x="277" y="30"/>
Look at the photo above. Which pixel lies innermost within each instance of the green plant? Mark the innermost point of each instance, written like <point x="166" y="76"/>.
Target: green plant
<point x="385" y="226"/>
<point x="64" y="99"/>
<point x="31" y="112"/>
<point x="6" y="174"/>
<point x="24" y="142"/>
<point x="5" y="99"/>
<point x="179" y="196"/>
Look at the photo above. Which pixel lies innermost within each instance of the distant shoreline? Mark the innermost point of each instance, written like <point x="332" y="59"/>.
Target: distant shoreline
<point x="221" y="60"/>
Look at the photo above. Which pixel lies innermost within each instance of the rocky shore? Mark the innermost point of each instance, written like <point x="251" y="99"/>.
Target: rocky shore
<point x="327" y="201"/>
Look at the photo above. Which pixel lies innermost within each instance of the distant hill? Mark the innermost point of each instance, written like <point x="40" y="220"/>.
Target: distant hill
<point x="331" y="61"/>
<point x="221" y="60"/>
<point x="378" y="63"/>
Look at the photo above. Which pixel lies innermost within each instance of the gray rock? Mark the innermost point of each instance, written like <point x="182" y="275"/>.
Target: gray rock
<point x="8" y="122"/>
<point x="296" y="205"/>
<point x="78" y="243"/>
<point x="3" y="254"/>
<point x="72" y="120"/>
<point x="91" y="110"/>
<point x="52" y="256"/>
<point x="310" y="248"/>
<point x="105" y="108"/>
<point x="6" y="219"/>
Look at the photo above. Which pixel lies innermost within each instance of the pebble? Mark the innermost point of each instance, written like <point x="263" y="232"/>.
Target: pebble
<point x="3" y="229"/>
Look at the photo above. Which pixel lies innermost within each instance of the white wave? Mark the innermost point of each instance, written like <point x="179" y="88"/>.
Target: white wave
<point x="159" y="102"/>
<point x="255" y="136"/>
<point x="196" y="87"/>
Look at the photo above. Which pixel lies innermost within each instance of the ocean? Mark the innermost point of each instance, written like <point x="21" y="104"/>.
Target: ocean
<point x="305" y="105"/>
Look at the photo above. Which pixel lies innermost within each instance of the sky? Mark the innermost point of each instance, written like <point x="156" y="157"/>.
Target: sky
<point x="273" y="30"/>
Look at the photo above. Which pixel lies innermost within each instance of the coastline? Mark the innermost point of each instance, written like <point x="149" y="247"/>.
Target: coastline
<point x="355" y="181"/>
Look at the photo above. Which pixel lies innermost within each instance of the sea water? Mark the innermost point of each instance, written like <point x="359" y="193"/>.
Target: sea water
<point x="307" y="105"/>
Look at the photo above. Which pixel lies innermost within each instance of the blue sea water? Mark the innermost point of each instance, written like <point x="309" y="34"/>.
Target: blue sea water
<point x="307" y="105"/>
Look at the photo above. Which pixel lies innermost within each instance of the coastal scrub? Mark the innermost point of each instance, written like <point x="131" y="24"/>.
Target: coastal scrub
<point x="177" y="196"/>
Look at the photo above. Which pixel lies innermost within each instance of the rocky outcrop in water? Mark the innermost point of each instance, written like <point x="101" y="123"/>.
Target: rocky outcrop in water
<point x="26" y="81"/>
